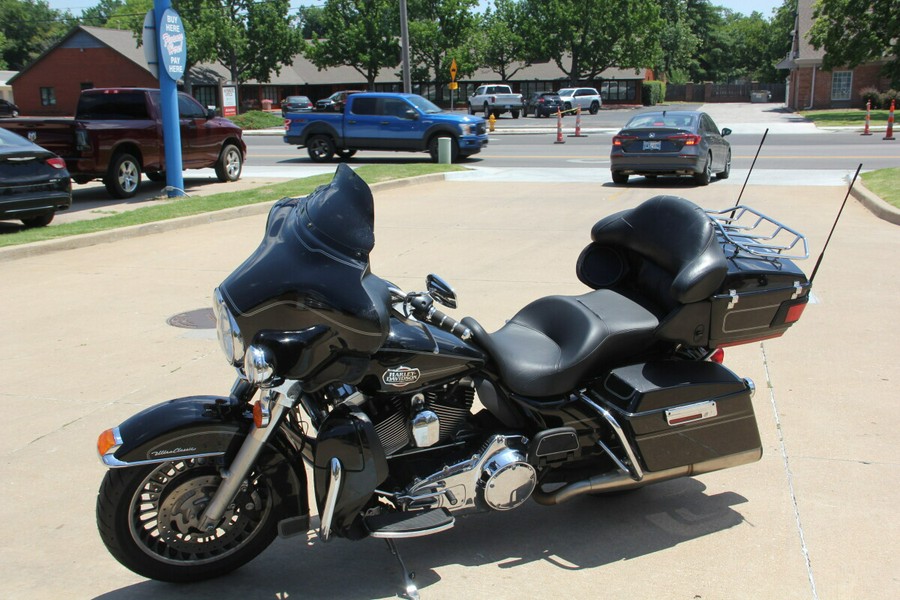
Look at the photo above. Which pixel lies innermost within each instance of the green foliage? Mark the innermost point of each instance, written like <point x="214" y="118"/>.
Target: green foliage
<point x="653" y="92"/>
<point x="885" y="183"/>
<point x="29" y="27"/>
<point x="362" y="34"/>
<point x="856" y="31"/>
<point x="585" y="37"/>
<point x="870" y="96"/>
<point x="441" y="31"/>
<point x="257" y="119"/>
<point x="501" y="40"/>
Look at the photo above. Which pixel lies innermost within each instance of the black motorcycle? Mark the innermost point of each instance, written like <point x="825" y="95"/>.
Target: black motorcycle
<point x="408" y="418"/>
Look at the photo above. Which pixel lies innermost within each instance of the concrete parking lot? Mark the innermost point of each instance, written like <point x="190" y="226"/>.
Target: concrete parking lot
<point x="87" y="344"/>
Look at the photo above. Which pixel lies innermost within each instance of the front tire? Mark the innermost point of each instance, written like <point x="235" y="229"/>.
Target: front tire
<point x="595" y="108"/>
<point x="726" y="172"/>
<point x="230" y="164"/>
<point x="320" y="148"/>
<point x="433" y="149"/>
<point x="148" y="518"/>
<point x="124" y="176"/>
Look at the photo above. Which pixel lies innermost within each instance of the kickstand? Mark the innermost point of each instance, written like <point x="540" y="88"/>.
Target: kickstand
<point x="411" y="592"/>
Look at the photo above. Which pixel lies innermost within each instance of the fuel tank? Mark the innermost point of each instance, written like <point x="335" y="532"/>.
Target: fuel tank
<point x="417" y="355"/>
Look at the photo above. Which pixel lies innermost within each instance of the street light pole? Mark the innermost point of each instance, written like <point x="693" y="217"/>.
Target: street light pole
<point x="404" y="48"/>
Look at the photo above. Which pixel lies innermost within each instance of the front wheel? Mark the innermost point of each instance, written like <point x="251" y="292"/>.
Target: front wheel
<point x="595" y="107"/>
<point x="433" y="149"/>
<point x="149" y="519"/>
<point x="726" y="172"/>
<point x="230" y="164"/>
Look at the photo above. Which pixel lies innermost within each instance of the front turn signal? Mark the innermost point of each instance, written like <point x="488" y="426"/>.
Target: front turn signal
<point x="109" y="441"/>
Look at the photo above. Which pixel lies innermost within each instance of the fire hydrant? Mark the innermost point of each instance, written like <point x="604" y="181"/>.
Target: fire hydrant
<point x="491" y="120"/>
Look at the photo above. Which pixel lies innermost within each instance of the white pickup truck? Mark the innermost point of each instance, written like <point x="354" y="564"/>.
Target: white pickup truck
<point x="496" y="100"/>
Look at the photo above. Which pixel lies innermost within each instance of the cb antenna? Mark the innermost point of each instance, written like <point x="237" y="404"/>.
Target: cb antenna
<point x="822" y="255"/>
<point x="761" y="142"/>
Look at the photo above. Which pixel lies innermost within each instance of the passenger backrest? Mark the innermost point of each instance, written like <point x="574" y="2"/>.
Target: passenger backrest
<point x="666" y="247"/>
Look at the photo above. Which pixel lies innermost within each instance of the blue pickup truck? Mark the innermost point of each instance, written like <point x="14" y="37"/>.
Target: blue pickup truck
<point x="385" y="121"/>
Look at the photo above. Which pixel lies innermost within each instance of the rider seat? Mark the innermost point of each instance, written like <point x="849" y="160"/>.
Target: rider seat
<point x="653" y="268"/>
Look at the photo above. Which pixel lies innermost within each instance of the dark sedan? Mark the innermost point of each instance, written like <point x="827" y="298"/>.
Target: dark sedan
<point x="295" y="104"/>
<point x="671" y="142"/>
<point x="34" y="182"/>
<point x="543" y="104"/>
<point x="8" y="109"/>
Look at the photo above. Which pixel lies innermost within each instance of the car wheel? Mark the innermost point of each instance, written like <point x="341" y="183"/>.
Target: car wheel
<point x="595" y="107"/>
<point x="471" y="110"/>
<point x="704" y="176"/>
<point x="320" y="148"/>
<point x="487" y="110"/>
<point x="156" y="176"/>
<point x="124" y="176"/>
<point x="619" y="178"/>
<point x="433" y="149"/>
<point x="568" y="106"/>
<point x="515" y="114"/>
<point x="727" y="170"/>
<point x="39" y="221"/>
<point x="346" y="154"/>
<point x="230" y="164"/>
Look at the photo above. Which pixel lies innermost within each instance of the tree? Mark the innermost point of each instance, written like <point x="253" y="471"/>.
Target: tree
<point x="362" y="34"/>
<point x="440" y="31"/>
<point x="499" y="42"/>
<point x="585" y="37"/>
<point x="678" y="42"/>
<point x="30" y="27"/>
<point x="99" y="15"/>
<point x="853" y="32"/>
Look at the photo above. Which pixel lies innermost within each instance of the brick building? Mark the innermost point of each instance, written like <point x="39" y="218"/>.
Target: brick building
<point x="811" y="87"/>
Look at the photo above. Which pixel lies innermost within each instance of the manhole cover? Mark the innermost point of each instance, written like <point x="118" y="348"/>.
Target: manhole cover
<point x="202" y="318"/>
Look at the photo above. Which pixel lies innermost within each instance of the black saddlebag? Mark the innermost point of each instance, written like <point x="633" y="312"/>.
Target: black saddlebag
<point x="679" y="413"/>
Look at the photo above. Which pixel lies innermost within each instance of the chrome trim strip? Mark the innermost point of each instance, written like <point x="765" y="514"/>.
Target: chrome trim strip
<point x="114" y="463"/>
<point x="334" y="488"/>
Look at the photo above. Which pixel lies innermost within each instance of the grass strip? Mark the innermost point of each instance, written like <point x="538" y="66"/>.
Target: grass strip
<point x="885" y="183"/>
<point x="846" y="117"/>
<point x="183" y="207"/>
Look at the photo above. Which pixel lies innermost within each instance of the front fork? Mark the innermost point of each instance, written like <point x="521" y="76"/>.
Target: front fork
<point x="274" y="405"/>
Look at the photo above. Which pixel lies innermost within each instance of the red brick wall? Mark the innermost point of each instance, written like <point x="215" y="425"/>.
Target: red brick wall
<point x="65" y="69"/>
<point x="863" y="77"/>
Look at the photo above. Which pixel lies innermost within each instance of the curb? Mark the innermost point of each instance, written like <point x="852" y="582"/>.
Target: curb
<point x="874" y="204"/>
<point x="112" y="235"/>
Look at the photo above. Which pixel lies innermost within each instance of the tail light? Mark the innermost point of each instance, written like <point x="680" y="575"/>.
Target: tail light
<point x="689" y="139"/>
<point x="619" y="139"/>
<point x="56" y="162"/>
<point x="718" y="356"/>
<point x="287" y="124"/>
<point x="790" y="311"/>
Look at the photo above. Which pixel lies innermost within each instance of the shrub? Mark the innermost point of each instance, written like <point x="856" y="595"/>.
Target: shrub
<point x="872" y="95"/>
<point x="887" y="97"/>
<point x="653" y="92"/>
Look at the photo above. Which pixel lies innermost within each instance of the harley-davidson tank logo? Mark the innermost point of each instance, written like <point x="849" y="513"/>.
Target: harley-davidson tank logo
<point x="401" y="376"/>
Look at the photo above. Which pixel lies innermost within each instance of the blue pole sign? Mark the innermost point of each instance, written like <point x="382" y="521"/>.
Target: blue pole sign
<point x="172" y="44"/>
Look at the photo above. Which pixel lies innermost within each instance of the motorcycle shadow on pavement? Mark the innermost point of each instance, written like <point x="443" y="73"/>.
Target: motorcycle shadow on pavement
<point x="585" y="533"/>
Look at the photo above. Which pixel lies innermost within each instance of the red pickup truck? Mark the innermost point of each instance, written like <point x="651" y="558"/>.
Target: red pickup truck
<point x="117" y="134"/>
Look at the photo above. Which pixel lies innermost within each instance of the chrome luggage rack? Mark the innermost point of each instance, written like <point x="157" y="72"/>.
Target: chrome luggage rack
<point x="742" y="228"/>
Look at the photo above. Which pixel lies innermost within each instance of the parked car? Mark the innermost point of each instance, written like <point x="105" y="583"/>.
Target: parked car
<point x="296" y="104"/>
<point x="34" y="182"/>
<point x="117" y="133"/>
<point x="495" y="100"/>
<point x="587" y="98"/>
<point x="386" y="121"/>
<point x="8" y="109"/>
<point x="335" y="102"/>
<point x="543" y="104"/>
<point x="683" y="142"/>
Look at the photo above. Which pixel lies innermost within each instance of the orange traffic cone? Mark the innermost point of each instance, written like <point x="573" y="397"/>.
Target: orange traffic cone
<point x="578" y="123"/>
<point x="890" y="129"/>
<point x="559" y="136"/>
<point x="868" y="108"/>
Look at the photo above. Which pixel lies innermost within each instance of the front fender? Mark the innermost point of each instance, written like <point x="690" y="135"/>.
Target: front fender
<point x="180" y="429"/>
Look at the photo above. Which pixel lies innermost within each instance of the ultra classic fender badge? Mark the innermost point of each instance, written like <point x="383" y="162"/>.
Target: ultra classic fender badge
<point x="401" y="376"/>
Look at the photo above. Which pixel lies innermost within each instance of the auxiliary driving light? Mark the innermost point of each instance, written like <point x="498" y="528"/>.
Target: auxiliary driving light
<point x="259" y="365"/>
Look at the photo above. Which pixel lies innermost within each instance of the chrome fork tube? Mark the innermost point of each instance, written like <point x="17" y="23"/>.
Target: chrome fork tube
<point x="235" y="475"/>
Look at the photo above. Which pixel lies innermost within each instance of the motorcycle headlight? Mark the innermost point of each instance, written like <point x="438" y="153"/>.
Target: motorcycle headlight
<point x="227" y="331"/>
<point x="465" y="128"/>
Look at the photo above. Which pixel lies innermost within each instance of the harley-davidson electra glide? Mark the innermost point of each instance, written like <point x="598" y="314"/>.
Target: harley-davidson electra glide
<point x="409" y="418"/>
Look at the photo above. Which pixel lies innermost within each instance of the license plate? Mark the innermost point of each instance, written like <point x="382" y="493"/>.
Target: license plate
<point x="652" y="145"/>
<point x="507" y="107"/>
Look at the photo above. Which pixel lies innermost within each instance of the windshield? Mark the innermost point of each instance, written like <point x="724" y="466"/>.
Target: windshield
<point x="566" y="91"/>
<point x="426" y="106"/>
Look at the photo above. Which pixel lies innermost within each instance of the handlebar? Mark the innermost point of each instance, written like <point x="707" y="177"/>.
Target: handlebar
<point x="422" y="306"/>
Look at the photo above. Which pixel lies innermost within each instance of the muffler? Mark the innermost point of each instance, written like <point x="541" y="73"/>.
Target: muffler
<point x="617" y="481"/>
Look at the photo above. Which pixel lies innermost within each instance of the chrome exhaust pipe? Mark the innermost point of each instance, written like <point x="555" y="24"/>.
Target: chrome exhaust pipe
<point x="617" y="481"/>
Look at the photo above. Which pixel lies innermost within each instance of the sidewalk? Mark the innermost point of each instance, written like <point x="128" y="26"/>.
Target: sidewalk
<point x="88" y="344"/>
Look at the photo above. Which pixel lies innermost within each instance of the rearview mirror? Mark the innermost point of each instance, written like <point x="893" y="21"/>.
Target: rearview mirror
<point x="441" y="291"/>
<point x="411" y="114"/>
<point x="725" y="131"/>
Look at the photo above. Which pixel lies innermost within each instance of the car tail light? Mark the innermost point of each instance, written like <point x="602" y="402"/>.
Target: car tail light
<point x="689" y="139"/>
<point x="618" y="139"/>
<point x="541" y="100"/>
<point x="56" y="162"/>
<point x="287" y="124"/>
